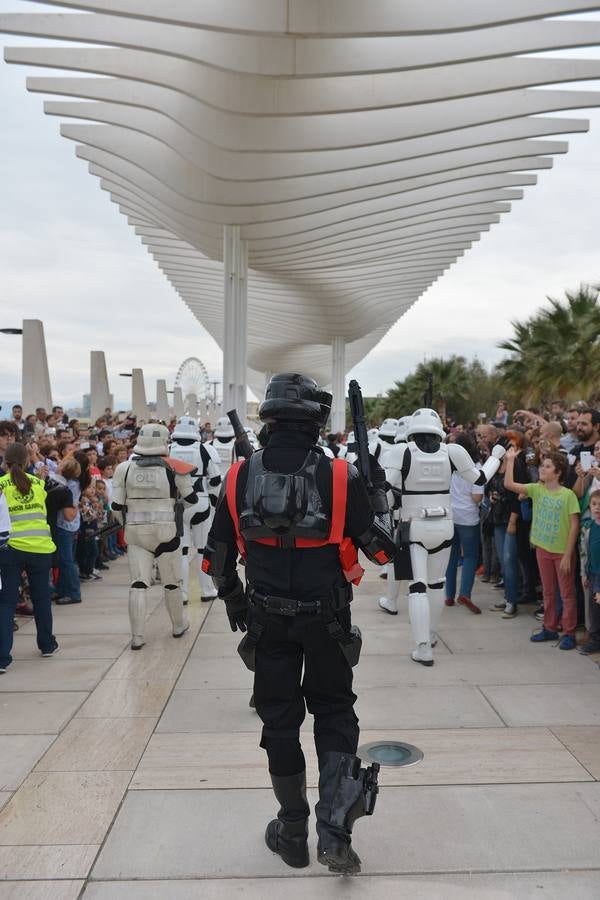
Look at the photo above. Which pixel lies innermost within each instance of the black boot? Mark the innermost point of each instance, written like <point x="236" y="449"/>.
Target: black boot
<point x="346" y="792"/>
<point x="287" y="834"/>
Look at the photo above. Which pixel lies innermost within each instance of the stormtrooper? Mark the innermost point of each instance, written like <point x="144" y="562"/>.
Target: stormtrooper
<point x="186" y="446"/>
<point x="224" y="443"/>
<point x="389" y="602"/>
<point x="386" y="437"/>
<point x="148" y="492"/>
<point x="420" y="470"/>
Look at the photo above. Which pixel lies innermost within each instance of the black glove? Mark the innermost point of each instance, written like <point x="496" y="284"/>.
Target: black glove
<point x="377" y="473"/>
<point x="236" y="606"/>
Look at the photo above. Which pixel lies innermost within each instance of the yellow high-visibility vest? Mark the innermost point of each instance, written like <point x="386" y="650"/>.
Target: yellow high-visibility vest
<point x="29" y="530"/>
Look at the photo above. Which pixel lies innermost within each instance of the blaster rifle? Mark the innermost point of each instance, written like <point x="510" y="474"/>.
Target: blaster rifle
<point x="242" y="444"/>
<point x="357" y="411"/>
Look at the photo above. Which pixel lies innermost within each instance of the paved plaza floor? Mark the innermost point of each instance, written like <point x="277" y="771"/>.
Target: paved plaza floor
<point x="138" y="776"/>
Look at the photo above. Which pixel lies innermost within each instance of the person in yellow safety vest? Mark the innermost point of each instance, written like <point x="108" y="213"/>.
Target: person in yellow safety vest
<point x="30" y="548"/>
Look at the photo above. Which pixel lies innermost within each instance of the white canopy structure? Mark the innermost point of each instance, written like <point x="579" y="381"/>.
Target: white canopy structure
<point x="303" y="170"/>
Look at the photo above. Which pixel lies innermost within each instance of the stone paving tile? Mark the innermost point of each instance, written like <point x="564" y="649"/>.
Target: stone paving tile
<point x="54" y="674"/>
<point x="90" y="623"/>
<point x="546" y="704"/>
<point x="463" y="756"/>
<point x="4" y="798"/>
<point x="164" y="664"/>
<point x="38" y="713"/>
<point x="584" y="744"/>
<point x="549" y="885"/>
<point x="18" y="755"/>
<point x="75" y="646"/>
<point x="424" y="707"/>
<point x="62" y="808"/>
<point x="95" y="745"/>
<point x="490" y="639"/>
<point x="40" y="890"/>
<point x="475" y="669"/>
<point x="46" y="861"/>
<point x="215" y="673"/>
<point x="201" y="710"/>
<point x="500" y="828"/>
<point x="123" y="699"/>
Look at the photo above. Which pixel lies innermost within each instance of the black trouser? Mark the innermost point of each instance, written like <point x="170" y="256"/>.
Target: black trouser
<point x="527" y="561"/>
<point x="286" y="644"/>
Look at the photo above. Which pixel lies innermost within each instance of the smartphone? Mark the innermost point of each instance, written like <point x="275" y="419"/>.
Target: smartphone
<point x="585" y="458"/>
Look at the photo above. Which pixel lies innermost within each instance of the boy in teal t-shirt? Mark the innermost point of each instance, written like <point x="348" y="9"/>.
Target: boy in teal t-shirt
<point x="589" y="545"/>
<point x="554" y="533"/>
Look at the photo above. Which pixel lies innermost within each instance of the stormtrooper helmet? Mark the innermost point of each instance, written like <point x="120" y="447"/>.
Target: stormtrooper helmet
<point x="403" y="423"/>
<point x="425" y="421"/>
<point x="388" y="430"/>
<point x="224" y="429"/>
<point x="372" y="434"/>
<point x="152" y="440"/>
<point x="186" y="429"/>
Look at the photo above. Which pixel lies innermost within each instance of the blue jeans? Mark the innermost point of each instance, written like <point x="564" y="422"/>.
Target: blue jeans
<point x="467" y="537"/>
<point x="506" y="548"/>
<point x="68" y="576"/>
<point x="37" y="566"/>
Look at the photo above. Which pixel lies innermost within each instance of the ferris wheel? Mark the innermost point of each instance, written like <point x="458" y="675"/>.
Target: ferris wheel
<point x="192" y="378"/>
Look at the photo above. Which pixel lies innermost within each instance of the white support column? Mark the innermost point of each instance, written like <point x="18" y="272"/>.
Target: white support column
<point x="138" y="395"/>
<point x="100" y="398"/>
<point x="235" y="343"/>
<point x="338" y="384"/>
<point x="35" y="383"/>
<point x="178" y="402"/>
<point x="162" y="401"/>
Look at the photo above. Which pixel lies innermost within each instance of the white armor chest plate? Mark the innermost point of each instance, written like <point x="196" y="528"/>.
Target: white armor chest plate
<point x="189" y="454"/>
<point x="226" y="454"/>
<point x="147" y="483"/>
<point x="427" y="484"/>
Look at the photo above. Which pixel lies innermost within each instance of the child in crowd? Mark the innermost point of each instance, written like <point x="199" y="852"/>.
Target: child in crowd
<point x="554" y="533"/>
<point x="91" y="512"/>
<point x="589" y="550"/>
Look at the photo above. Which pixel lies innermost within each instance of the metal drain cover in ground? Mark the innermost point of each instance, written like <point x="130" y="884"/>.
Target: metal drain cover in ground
<point x="390" y="753"/>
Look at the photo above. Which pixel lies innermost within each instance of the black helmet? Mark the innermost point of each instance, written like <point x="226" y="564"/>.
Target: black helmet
<point x="295" y="398"/>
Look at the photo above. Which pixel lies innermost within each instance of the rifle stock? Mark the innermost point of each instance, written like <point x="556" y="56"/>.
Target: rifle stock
<point x="357" y="411"/>
<point x="242" y="443"/>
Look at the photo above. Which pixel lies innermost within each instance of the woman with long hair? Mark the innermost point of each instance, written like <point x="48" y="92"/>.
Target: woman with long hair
<point x="464" y="499"/>
<point x="30" y="548"/>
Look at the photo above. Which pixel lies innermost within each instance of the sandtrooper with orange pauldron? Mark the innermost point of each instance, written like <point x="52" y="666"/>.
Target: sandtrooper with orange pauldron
<point x="150" y="491"/>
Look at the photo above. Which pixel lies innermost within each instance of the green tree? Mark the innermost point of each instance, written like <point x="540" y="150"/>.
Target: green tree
<point x="556" y="353"/>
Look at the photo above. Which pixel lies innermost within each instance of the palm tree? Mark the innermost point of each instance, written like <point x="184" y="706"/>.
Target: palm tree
<point x="450" y="381"/>
<point x="556" y="353"/>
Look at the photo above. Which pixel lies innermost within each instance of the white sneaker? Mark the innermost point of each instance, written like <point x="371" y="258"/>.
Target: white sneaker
<point x="137" y="642"/>
<point x="510" y="611"/>
<point x="423" y="654"/>
<point x="433" y="638"/>
<point x="388" y="606"/>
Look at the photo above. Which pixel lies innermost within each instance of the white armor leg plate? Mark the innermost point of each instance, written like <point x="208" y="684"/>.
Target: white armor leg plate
<point x="199" y="536"/>
<point x="137" y="616"/>
<point x="186" y="550"/>
<point x="436" y="581"/>
<point x="169" y="565"/>
<point x="389" y="603"/>
<point x="418" y="606"/>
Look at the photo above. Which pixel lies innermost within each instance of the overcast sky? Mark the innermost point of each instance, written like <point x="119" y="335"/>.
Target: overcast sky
<point x="68" y="257"/>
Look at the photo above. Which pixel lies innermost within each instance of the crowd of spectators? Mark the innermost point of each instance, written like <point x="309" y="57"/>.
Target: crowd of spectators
<point x="534" y="530"/>
<point x="76" y="462"/>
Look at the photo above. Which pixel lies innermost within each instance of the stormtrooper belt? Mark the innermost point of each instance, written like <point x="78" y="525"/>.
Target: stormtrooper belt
<point x="149" y="518"/>
<point x="283" y="606"/>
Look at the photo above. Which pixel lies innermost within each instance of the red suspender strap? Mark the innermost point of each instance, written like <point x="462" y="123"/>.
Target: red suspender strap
<point x="232" y="476"/>
<point x="340" y="496"/>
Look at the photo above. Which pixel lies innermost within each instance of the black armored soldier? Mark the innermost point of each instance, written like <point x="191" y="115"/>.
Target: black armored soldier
<point x="298" y="519"/>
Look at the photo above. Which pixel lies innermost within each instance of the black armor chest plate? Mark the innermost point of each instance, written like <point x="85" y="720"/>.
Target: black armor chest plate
<point x="284" y="506"/>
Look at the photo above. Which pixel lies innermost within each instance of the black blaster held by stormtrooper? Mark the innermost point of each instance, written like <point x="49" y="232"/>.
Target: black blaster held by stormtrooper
<point x="242" y="443"/>
<point x="381" y="511"/>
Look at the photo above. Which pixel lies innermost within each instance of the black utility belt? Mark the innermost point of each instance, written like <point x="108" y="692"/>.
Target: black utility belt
<point x="288" y="606"/>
